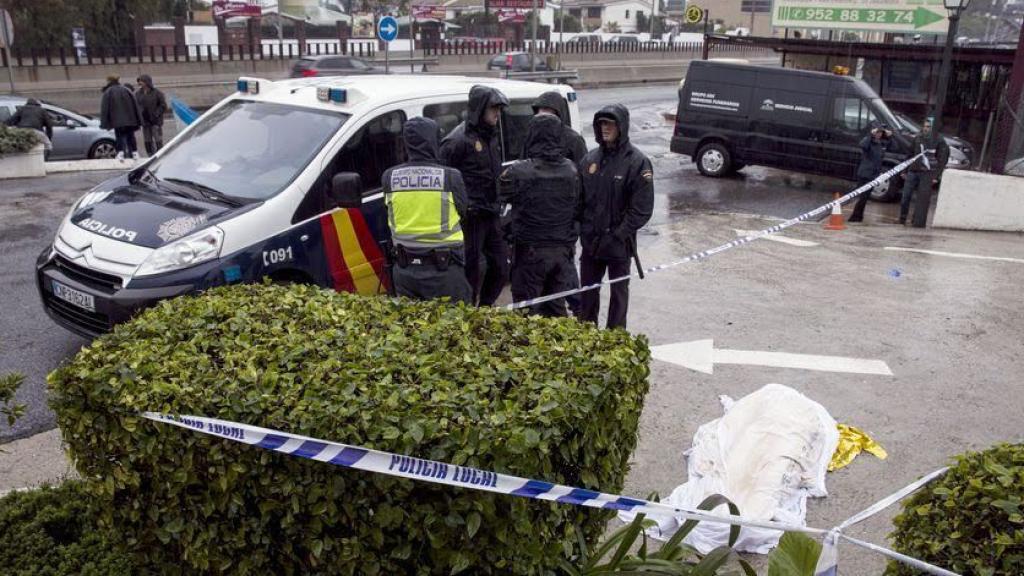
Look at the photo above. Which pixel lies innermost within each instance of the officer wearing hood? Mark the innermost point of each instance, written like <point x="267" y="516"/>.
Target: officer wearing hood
<point x="618" y="199"/>
<point x="474" y="149"/>
<point x="572" y="144"/>
<point x="426" y="203"/>
<point x="152" y="107"/>
<point x="544" y="190"/>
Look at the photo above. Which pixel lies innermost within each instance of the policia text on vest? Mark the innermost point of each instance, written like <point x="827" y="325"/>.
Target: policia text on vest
<point x="426" y="203"/>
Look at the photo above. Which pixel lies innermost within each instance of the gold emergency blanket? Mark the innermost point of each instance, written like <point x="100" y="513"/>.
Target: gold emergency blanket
<point x="853" y="441"/>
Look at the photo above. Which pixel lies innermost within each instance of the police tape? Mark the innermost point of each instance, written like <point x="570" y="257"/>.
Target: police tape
<point x="696" y="256"/>
<point x="402" y="466"/>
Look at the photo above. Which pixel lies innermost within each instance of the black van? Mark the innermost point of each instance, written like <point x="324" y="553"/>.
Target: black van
<point x="731" y="115"/>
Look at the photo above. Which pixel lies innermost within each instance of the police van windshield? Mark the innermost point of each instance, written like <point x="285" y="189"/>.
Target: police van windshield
<point x="248" y="151"/>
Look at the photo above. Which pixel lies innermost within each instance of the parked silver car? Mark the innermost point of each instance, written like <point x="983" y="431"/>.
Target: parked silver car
<point x="75" y="136"/>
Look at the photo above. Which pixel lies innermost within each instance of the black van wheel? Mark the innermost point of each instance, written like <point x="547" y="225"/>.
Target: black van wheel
<point x="888" y="191"/>
<point x="714" y="160"/>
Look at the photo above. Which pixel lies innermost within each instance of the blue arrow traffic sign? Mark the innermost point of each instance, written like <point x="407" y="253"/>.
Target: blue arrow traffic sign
<point x="387" y="28"/>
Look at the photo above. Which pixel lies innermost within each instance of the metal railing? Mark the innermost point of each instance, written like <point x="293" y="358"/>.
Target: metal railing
<point x="192" y="53"/>
<point x="291" y="49"/>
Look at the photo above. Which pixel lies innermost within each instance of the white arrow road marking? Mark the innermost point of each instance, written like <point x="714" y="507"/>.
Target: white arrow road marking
<point x="701" y="356"/>
<point x="778" y="238"/>
<point x="955" y="254"/>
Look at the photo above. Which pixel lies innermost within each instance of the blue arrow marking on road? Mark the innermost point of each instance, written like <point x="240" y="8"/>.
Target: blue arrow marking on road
<point x="387" y="28"/>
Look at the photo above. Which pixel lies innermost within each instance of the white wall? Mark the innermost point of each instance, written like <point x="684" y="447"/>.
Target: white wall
<point x="979" y="201"/>
<point x="617" y="13"/>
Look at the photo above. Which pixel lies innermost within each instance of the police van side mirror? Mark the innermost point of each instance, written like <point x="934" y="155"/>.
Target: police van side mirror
<point x="347" y="190"/>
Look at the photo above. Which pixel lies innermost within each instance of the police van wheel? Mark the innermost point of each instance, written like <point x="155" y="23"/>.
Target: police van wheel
<point x="714" y="160"/>
<point x="888" y="191"/>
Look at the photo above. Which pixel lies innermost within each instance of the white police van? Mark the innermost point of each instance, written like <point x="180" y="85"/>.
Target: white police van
<point x="279" y="180"/>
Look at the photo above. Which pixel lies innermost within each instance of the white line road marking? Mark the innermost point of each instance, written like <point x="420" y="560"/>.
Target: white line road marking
<point x="701" y="356"/>
<point x="778" y="238"/>
<point x="955" y="254"/>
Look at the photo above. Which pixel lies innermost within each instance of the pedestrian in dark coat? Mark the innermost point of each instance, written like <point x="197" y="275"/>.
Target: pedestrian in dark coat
<point x="618" y="199"/>
<point x="152" y="107"/>
<point x="544" y="191"/>
<point x="120" y="112"/>
<point x="34" y="117"/>
<point x="474" y="149"/>
<point x="921" y="173"/>
<point x="872" y="151"/>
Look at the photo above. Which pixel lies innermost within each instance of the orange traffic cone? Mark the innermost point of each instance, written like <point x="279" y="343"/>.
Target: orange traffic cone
<point x="835" y="219"/>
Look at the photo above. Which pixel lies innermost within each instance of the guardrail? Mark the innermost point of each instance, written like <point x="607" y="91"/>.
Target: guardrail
<point x="559" y="76"/>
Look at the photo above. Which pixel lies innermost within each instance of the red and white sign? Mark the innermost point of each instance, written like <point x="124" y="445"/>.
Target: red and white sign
<point x="428" y="12"/>
<point x="517" y="4"/>
<point x="235" y="8"/>
<point x="506" y="16"/>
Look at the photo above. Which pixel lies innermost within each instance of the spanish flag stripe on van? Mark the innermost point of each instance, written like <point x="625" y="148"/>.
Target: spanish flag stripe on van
<point x="358" y="264"/>
<point x="371" y="249"/>
<point x="341" y="278"/>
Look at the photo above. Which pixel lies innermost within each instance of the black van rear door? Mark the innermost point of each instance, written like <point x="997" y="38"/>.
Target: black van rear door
<point x="850" y="120"/>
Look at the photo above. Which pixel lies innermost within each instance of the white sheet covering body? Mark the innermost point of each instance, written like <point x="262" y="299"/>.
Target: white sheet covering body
<point x="768" y="453"/>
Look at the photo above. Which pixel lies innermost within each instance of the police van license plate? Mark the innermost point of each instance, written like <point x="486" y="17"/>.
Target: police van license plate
<point x="76" y="297"/>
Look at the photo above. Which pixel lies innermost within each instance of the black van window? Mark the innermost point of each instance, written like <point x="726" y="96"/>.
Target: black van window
<point x="852" y="114"/>
<point x="376" y="147"/>
<point x="448" y="115"/>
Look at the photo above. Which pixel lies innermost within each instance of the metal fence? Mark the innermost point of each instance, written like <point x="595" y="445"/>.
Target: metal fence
<point x="191" y="53"/>
<point x="317" y="47"/>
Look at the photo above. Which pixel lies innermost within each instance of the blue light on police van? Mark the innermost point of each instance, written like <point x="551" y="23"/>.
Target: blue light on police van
<point x="336" y="95"/>
<point x="248" y="86"/>
<point x="571" y="96"/>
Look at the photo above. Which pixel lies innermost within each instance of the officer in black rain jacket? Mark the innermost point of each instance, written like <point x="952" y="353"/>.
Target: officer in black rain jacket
<point x="474" y="149"/>
<point x="553" y="103"/>
<point x="618" y="199"/>
<point x="544" y="191"/>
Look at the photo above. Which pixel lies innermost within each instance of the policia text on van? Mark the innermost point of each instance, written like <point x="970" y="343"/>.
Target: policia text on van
<point x="280" y="180"/>
<point x="731" y="115"/>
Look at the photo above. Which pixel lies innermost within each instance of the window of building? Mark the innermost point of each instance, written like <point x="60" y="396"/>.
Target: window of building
<point x="627" y="13"/>
<point x="594" y="12"/>
<point x="576" y="13"/>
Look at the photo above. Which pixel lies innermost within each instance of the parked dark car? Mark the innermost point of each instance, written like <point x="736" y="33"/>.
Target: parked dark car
<point x="332" y="66"/>
<point x="75" y="136"/>
<point x="731" y="115"/>
<point x="517" y="62"/>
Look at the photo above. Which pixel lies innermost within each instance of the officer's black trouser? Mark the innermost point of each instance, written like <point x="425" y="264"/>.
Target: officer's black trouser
<point x="540" y="271"/>
<point x="426" y="282"/>
<point x="483" y="237"/>
<point x="592" y="271"/>
<point x="862" y="200"/>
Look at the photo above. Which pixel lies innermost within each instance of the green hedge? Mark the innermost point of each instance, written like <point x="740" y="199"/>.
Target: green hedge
<point x="549" y="399"/>
<point x="971" y="520"/>
<point x="16" y="140"/>
<point x="51" y="532"/>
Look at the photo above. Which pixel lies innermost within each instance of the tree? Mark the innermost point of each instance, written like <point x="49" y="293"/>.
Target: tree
<point x="572" y="23"/>
<point x="48" y="23"/>
<point x="612" y="28"/>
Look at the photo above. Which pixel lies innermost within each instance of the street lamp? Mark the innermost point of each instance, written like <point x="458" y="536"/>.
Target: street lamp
<point x="954" y="8"/>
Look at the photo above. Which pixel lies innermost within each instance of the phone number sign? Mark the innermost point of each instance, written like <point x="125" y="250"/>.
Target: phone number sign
<point x="891" y="16"/>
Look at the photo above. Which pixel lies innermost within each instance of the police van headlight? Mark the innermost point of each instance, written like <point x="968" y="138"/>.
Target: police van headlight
<point x="200" y="247"/>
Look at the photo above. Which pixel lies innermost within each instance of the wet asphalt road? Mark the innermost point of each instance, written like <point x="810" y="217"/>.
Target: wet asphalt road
<point x="30" y="211"/>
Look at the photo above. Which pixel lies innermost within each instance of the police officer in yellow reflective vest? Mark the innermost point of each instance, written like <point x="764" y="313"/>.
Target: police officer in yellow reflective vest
<point x="426" y="202"/>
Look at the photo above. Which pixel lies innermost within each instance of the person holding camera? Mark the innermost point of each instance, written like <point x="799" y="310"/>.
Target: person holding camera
<point x="872" y="150"/>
